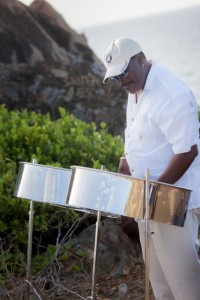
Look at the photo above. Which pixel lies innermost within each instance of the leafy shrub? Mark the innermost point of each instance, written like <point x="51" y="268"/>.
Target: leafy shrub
<point x="64" y="142"/>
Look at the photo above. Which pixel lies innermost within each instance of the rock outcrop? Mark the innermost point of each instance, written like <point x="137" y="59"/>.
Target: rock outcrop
<point x="117" y="252"/>
<point x="45" y="64"/>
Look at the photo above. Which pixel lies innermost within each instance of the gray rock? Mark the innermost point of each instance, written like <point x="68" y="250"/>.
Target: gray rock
<point x="117" y="252"/>
<point x="45" y="64"/>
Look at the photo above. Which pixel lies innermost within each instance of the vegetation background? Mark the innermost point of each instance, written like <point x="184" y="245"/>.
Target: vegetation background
<point x="67" y="141"/>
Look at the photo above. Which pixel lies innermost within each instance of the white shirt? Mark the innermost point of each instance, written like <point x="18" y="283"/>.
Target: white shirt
<point x="162" y="123"/>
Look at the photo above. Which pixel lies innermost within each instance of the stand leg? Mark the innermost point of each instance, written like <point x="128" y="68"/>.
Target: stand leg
<point x="29" y="251"/>
<point x="96" y="244"/>
<point x="30" y="237"/>
<point x="147" y="237"/>
<point x="95" y="256"/>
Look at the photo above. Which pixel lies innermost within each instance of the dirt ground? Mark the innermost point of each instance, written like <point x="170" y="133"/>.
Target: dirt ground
<point x="133" y="286"/>
<point x="78" y="286"/>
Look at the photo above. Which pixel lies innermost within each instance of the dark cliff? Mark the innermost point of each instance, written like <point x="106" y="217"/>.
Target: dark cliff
<point x="45" y="64"/>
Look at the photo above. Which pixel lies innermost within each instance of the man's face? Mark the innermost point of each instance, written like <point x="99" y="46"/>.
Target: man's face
<point x="134" y="81"/>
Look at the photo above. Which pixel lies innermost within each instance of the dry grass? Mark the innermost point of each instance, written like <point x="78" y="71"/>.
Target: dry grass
<point x="49" y="285"/>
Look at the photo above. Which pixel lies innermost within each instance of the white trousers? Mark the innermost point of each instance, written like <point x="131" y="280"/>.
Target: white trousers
<point x="174" y="263"/>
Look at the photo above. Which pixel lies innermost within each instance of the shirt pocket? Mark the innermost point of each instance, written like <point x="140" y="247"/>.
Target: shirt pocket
<point x="139" y="136"/>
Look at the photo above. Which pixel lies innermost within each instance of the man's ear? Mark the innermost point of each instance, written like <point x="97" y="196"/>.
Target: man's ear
<point x="141" y="59"/>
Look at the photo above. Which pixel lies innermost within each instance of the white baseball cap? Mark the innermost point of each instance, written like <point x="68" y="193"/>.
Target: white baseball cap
<point x="118" y="55"/>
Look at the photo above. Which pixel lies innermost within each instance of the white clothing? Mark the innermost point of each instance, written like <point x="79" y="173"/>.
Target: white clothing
<point x="174" y="264"/>
<point x="164" y="122"/>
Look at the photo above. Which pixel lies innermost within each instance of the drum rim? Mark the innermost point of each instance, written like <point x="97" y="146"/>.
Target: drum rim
<point x="22" y="163"/>
<point x="74" y="167"/>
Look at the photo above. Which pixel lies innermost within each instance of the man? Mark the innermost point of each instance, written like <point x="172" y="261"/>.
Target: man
<point x="162" y="134"/>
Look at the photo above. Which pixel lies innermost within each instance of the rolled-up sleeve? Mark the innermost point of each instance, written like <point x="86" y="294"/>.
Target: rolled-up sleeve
<point x="178" y="121"/>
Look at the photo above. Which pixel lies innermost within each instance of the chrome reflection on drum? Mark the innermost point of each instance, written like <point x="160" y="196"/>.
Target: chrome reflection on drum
<point x="42" y="183"/>
<point x="118" y="194"/>
<point x="104" y="191"/>
<point x="168" y="203"/>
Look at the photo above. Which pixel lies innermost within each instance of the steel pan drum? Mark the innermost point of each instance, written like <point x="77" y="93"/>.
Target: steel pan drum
<point x="41" y="183"/>
<point x="123" y="195"/>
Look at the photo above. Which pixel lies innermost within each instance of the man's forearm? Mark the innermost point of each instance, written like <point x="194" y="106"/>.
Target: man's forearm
<point x="178" y="165"/>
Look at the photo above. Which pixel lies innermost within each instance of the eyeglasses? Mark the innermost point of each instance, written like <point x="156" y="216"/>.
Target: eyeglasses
<point x="124" y="74"/>
<point x="120" y="76"/>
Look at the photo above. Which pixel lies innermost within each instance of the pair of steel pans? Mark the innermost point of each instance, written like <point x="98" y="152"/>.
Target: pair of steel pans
<point x="93" y="190"/>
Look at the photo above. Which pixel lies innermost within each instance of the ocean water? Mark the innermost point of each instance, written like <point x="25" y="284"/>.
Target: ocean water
<point x="171" y="39"/>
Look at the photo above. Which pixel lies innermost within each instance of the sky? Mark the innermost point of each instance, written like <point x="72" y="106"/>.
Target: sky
<point x="80" y="14"/>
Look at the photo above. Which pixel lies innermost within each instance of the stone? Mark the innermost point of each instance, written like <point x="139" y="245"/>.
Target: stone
<point x="45" y="65"/>
<point x="117" y="252"/>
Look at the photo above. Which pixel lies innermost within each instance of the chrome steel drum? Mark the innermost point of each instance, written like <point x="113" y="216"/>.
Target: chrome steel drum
<point x="42" y="183"/>
<point x="114" y="193"/>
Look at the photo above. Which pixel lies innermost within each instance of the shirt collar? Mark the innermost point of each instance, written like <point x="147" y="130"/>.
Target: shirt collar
<point x="149" y="85"/>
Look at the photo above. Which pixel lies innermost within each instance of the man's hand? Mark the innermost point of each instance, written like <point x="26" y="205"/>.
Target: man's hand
<point x="123" y="167"/>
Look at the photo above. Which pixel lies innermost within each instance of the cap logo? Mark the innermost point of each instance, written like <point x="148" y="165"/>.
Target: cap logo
<point x="108" y="58"/>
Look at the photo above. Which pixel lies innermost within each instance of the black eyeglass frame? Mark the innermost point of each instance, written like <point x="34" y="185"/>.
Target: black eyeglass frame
<point x="120" y="76"/>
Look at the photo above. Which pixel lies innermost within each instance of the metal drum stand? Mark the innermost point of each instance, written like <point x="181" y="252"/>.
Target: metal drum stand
<point x="57" y="186"/>
<point x="147" y="236"/>
<point x="29" y="250"/>
<point x="96" y="245"/>
<point x="43" y="184"/>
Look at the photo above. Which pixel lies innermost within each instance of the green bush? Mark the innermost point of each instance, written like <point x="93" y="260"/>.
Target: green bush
<point x="64" y="142"/>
